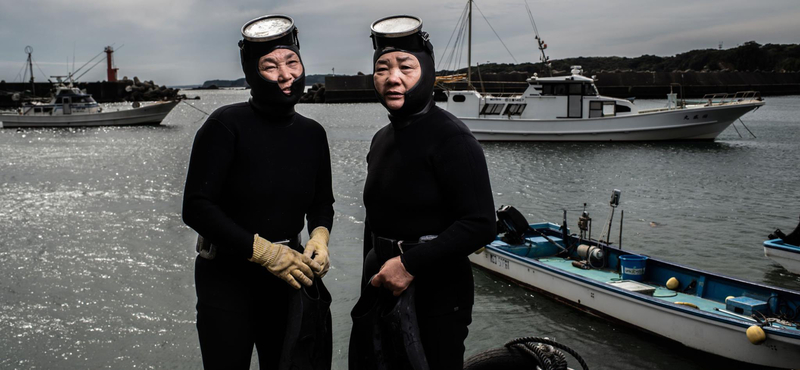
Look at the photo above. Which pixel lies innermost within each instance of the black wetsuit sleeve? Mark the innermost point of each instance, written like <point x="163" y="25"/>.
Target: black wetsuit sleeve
<point x="320" y="213"/>
<point x="209" y="164"/>
<point x="461" y="172"/>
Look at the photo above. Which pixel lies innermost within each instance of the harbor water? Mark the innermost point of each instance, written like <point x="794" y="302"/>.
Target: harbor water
<point x="97" y="265"/>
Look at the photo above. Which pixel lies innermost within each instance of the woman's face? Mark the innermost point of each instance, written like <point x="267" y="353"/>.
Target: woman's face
<point x="395" y="74"/>
<point x="282" y="66"/>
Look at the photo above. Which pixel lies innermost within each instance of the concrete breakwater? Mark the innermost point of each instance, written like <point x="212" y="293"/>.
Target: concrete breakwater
<point x="12" y="94"/>
<point x="642" y="85"/>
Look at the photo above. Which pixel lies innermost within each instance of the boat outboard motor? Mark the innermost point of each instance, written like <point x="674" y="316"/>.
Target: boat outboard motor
<point x="793" y="238"/>
<point x="404" y="33"/>
<point x="260" y="37"/>
<point x="513" y="224"/>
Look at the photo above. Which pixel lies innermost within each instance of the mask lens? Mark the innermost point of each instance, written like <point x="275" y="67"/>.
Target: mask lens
<point x="267" y="28"/>
<point x="396" y="26"/>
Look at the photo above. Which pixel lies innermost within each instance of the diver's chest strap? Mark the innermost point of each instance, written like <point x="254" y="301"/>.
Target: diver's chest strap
<point x="386" y="248"/>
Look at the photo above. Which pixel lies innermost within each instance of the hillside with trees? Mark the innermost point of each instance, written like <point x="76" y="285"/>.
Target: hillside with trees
<point x="749" y="57"/>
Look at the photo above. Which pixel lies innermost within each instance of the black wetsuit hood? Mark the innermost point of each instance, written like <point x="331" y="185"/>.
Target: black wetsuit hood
<point x="266" y="95"/>
<point x="419" y="98"/>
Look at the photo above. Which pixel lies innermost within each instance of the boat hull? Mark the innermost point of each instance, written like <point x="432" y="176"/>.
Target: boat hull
<point x="702" y="123"/>
<point x="784" y="254"/>
<point x="693" y="328"/>
<point x="151" y="114"/>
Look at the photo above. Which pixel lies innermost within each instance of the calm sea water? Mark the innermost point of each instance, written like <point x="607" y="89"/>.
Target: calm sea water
<point x="97" y="266"/>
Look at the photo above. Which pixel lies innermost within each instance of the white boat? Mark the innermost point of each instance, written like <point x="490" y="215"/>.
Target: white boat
<point x="72" y="108"/>
<point x="784" y="254"/>
<point x="705" y="311"/>
<point x="568" y="108"/>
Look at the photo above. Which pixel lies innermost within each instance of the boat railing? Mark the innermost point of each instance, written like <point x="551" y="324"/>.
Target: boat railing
<point x="727" y="98"/>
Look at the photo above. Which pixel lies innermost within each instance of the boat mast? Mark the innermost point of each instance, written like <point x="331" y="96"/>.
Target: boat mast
<point x="469" y="48"/>
<point x="29" y="50"/>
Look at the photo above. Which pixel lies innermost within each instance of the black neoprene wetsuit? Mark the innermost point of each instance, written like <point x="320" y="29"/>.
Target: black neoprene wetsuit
<point x="427" y="175"/>
<point x="253" y="173"/>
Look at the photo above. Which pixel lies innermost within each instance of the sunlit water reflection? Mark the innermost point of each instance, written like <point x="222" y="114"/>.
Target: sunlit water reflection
<point x="97" y="264"/>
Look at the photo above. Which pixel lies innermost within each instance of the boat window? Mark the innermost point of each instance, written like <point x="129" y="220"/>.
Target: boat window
<point x="459" y="98"/>
<point x="608" y="108"/>
<point x="622" y="108"/>
<point x="590" y="90"/>
<point x="560" y="89"/>
<point x="599" y="108"/>
<point x="547" y="89"/>
<point x="574" y="106"/>
<point x="575" y="89"/>
<point x="492" y="108"/>
<point x="515" y="109"/>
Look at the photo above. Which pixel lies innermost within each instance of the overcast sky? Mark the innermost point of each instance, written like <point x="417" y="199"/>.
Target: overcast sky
<point x="185" y="42"/>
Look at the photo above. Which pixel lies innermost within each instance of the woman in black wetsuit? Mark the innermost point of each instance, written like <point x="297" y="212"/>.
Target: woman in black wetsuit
<point x="257" y="169"/>
<point x="427" y="194"/>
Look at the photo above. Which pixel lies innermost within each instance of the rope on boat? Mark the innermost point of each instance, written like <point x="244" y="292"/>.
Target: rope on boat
<point x="748" y="130"/>
<point x="201" y="111"/>
<point x="546" y="351"/>
<point x="785" y="315"/>
<point x="737" y="130"/>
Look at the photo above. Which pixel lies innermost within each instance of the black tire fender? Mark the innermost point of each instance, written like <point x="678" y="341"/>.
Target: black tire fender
<point x="501" y="359"/>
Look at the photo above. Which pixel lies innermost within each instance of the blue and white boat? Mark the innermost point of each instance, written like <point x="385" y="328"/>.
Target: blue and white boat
<point x="786" y="255"/>
<point x="703" y="310"/>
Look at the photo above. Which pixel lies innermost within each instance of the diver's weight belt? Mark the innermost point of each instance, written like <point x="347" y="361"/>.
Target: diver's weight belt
<point x="386" y="248"/>
<point x="210" y="251"/>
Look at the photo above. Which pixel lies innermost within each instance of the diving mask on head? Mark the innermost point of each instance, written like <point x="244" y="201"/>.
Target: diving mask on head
<point x="404" y="33"/>
<point x="260" y="37"/>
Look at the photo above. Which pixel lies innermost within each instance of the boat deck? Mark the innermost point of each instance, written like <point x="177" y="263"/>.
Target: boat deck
<point x="705" y="293"/>
<point x="608" y="276"/>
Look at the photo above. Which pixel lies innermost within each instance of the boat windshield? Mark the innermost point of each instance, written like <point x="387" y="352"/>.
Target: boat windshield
<point x="562" y="89"/>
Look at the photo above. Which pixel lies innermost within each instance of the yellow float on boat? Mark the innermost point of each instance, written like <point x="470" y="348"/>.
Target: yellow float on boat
<point x="673" y="283"/>
<point x="756" y="335"/>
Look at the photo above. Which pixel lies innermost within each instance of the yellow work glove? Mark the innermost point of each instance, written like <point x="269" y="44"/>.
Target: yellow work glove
<point x="284" y="262"/>
<point x="317" y="247"/>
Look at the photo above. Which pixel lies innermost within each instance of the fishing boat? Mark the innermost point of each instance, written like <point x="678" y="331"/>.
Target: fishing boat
<point x="70" y="107"/>
<point x="745" y="321"/>
<point x="784" y="254"/>
<point x="569" y="108"/>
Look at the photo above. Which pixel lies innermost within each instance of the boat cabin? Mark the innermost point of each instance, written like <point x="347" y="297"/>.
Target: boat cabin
<point x="66" y="100"/>
<point x="546" y="98"/>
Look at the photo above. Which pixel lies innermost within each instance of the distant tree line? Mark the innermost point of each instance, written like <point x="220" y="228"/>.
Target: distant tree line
<point x="749" y="57"/>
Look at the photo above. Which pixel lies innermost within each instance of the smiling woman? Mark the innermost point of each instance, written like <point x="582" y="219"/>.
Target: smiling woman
<point x="282" y="66"/>
<point x="249" y="211"/>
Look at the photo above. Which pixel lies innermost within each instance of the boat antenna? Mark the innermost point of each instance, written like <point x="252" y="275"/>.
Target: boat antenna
<point x="614" y="203"/>
<point x="543" y="58"/>
<point x="621" y="217"/>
